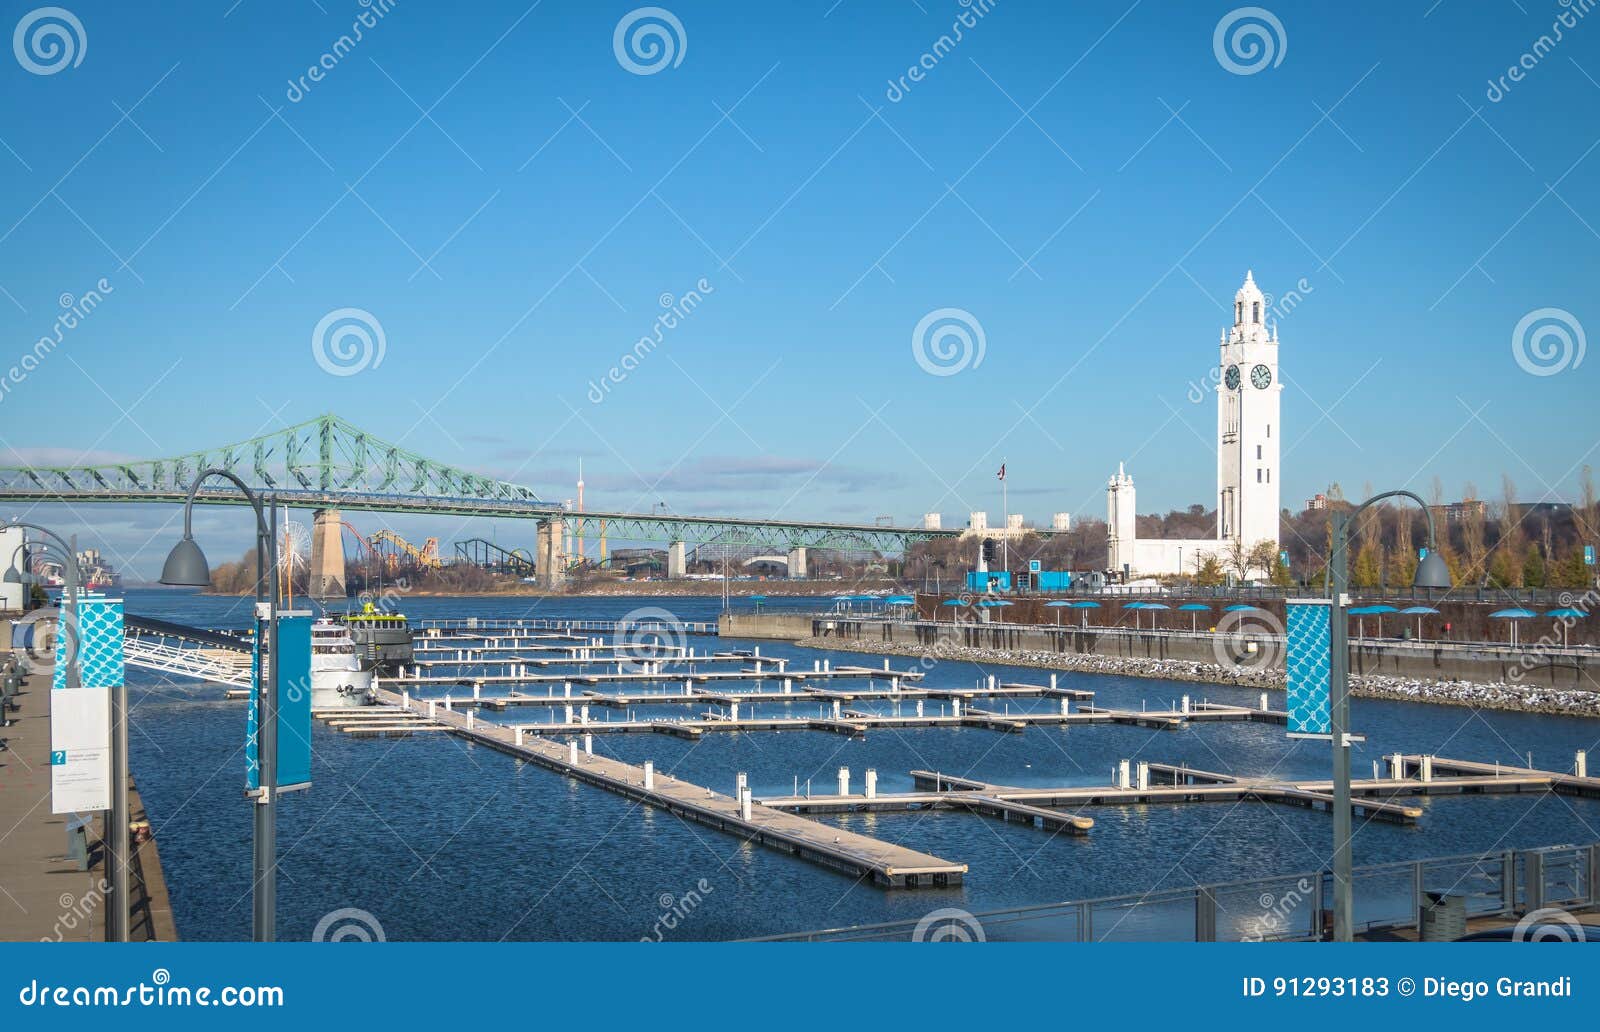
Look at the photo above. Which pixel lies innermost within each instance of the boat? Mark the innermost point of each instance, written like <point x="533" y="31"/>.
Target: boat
<point x="338" y="678"/>
<point x="382" y="637"/>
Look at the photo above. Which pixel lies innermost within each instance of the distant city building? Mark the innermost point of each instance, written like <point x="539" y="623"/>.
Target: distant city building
<point x="1248" y="475"/>
<point x="932" y="521"/>
<point x="1316" y="503"/>
<point x="1471" y="508"/>
<point x="1061" y="521"/>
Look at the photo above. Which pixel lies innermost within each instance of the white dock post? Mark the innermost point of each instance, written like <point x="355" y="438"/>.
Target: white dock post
<point x="1397" y="767"/>
<point x="744" y="803"/>
<point x="1066" y="706"/>
<point x="733" y="709"/>
<point x="1122" y="774"/>
<point x="688" y="686"/>
<point x="1185" y="704"/>
<point x="740" y="782"/>
<point x="788" y="686"/>
<point x="572" y="753"/>
<point x="1263" y="702"/>
<point x="835" y="709"/>
<point x="872" y="783"/>
<point x="583" y="714"/>
<point x="567" y="716"/>
<point x="477" y="690"/>
<point x="894" y="686"/>
<point x="472" y="719"/>
<point x="566" y="689"/>
<point x="886" y="664"/>
<point x="448" y="708"/>
<point x="1580" y="763"/>
<point x="405" y="698"/>
<point x="431" y="708"/>
<point x="816" y="665"/>
<point x="1144" y="775"/>
<point x="588" y="744"/>
<point x="919" y="707"/>
<point x="649" y="775"/>
<point x="844" y="781"/>
<point x="518" y="735"/>
<point x="1427" y="768"/>
<point x="827" y="666"/>
<point x="1052" y="682"/>
<point x="991" y="682"/>
<point x="955" y="706"/>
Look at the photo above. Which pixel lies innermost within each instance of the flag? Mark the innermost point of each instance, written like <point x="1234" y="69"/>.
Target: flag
<point x="1002" y="473"/>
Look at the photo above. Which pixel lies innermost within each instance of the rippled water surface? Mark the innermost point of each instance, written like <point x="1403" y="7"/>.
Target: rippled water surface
<point x="440" y="839"/>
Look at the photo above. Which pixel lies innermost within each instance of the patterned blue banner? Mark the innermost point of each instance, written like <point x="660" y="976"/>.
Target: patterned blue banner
<point x="99" y="639"/>
<point x="1307" y="666"/>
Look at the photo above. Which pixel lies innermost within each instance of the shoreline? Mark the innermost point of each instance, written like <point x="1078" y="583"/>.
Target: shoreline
<point x="1501" y="696"/>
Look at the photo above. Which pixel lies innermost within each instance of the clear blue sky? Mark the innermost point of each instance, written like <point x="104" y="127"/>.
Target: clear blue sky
<point x="515" y="241"/>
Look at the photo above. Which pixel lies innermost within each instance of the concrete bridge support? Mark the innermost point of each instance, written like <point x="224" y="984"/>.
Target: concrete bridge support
<point x="797" y="564"/>
<point x="326" y="578"/>
<point x="550" y="558"/>
<point x="677" y="560"/>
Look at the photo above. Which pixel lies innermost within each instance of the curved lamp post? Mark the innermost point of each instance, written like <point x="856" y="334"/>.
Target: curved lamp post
<point x="115" y="820"/>
<point x="1432" y="572"/>
<point x="186" y="566"/>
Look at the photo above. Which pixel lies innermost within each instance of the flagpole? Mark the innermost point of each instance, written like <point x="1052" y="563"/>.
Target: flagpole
<point x="1005" y="516"/>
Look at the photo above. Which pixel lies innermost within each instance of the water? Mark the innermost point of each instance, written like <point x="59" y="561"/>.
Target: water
<point x="440" y="839"/>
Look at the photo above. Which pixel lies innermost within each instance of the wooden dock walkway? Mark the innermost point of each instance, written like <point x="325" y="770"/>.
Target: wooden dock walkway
<point x="859" y="855"/>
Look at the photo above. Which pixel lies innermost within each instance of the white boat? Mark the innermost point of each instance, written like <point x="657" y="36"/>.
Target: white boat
<point x="337" y="678"/>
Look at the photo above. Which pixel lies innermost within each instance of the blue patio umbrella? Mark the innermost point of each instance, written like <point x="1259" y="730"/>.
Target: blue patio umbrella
<point x="1194" y="609"/>
<point x="1238" y="608"/>
<point x="990" y="603"/>
<point x="1150" y="607"/>
<point x="1058" y="605"/>
<point x="953" y="602"/>
<point x="1361" y="611"/>
<point x="900" y="600"/>
<point x="1419" y="612"/>
<point x="1567" y="615"/>
<point x="1513" y="614"/>
<point x="756" y="600"/>
<point x="1084" y="606"/>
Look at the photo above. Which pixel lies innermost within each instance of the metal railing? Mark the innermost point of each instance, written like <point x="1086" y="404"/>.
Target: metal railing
<point x="1285" y="908"/>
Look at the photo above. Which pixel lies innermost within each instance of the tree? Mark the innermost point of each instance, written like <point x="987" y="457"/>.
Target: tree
<point x="1533" y="569"/>
<point x="1263" y="556"/>
<point x="1366" y="571"/>
<point x="1572" y="572"/>
<point x="1208" y="572"/>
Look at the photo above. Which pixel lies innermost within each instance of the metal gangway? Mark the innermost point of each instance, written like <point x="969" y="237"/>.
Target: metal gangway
<point x="216" y="657"/>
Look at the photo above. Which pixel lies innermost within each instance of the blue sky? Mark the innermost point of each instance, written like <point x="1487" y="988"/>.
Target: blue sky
<point x="1088" y="180"/>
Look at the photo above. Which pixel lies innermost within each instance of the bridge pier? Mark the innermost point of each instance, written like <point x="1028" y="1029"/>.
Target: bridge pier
<point x="326" y="578"/>
<point x="550" y="559"/>
<point x="797" y="564"/>
<point x="677" y="559"/>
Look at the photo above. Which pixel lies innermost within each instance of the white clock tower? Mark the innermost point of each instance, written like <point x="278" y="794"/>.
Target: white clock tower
<point x="1248" y="430"/>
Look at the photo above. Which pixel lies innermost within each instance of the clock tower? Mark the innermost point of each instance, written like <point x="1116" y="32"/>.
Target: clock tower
<point x="1248" y="430"/>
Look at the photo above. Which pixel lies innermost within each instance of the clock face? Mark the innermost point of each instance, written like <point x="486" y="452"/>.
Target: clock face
<point x="1261" y="377"/>
<point x="1231" y="378"/>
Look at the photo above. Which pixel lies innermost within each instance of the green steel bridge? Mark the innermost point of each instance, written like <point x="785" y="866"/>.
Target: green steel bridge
<point x="327" y="463"/>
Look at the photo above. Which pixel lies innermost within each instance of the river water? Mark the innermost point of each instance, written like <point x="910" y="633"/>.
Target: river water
<point x="440" y="839"/>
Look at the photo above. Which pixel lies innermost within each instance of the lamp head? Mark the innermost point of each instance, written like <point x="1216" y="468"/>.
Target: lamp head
<point x="1432" y="572"/>
<point x="186" y="566"/>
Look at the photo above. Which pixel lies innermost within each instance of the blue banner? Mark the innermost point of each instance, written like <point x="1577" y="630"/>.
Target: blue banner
<point x="80" y="718"/>
<point x="1307" y="663"/>
<point x="293" y="691"/>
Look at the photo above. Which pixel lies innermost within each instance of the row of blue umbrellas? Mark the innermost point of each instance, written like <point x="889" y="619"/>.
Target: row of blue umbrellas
<point x="1564" y="614"/>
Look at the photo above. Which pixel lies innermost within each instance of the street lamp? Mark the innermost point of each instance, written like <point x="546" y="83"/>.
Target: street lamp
<point x="116" y="819"/>
<point x="1431" y="573"/>
<point x="186" y="566"/>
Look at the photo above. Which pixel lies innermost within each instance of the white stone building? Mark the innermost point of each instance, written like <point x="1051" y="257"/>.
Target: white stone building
<point x="1248" y="474"/>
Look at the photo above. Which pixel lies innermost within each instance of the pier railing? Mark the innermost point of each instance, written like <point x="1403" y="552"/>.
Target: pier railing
<point x="1286" y="908"/>
<point x="475" y="623"/>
